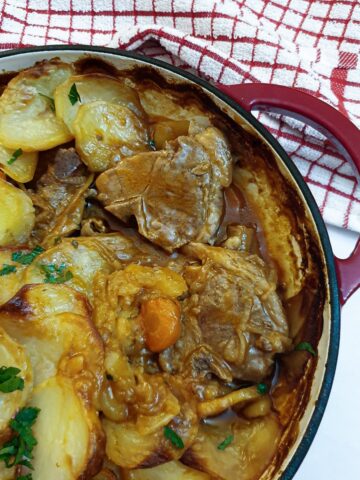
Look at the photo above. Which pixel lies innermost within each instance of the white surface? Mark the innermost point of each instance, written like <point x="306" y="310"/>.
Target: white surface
<point x="335" y="452"/>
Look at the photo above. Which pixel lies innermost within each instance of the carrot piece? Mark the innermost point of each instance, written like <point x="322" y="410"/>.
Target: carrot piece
<point x="160" y="318"/>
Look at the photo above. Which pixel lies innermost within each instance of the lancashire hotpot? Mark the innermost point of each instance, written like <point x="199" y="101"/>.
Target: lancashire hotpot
<point x="342" y="277"/>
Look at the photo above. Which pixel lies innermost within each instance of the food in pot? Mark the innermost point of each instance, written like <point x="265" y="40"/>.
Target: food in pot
<point x="160" y="288"/>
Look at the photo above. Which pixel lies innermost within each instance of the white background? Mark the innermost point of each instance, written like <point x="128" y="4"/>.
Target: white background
<point x="335" y="452"/>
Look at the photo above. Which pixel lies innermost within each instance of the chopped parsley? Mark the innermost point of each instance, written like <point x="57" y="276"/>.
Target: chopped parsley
<point x="75" y="244"/>
<point x="152" y="145"/>
<point x="56" y="274"/>
<point x="50" y="100"/>
<point x="262" y="388"/>
<point x="15" y="156"/>
<point x="6" y="269"/>
<point x="18" y="450"/>
<point x="307" y="347"/>
<point x="173" y="437"/>
<point x="9" y="381"/>
<point x="74" y="95"/>
<point x="25" y="477"/>
<point x="225" y="443"/>
<point x="26" y="258"/>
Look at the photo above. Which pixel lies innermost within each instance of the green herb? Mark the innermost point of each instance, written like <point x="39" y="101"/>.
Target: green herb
<point x="225" y="443"/>
<point x="262" y="388"/>
<point x="15" y="156"/>
<point x="75" y="244"/>
<point x="56" y="274"/>
<point x="173" y="437"/>
<point x="6" y="269"/>
<point x="50" y="100"/>
<point x="9" y="381"/>
<point x="152" y="145"/>
<point x="306" y="346"/>
<point x="26" y="258"/>
<point x="25" y="477"/>
<point x="74" y="95"/>
<point x="18" y="450"/>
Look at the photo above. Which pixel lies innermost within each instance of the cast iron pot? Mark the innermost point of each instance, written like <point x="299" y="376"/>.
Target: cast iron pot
<point x="342" y="276"/>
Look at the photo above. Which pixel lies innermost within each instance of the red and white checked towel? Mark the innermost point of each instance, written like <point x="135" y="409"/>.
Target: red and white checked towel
<point x="314" y="45"/>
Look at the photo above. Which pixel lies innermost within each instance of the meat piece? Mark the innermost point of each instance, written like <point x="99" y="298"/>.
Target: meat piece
<point x="176" y="194"/>
<point x="59" y="197"/>
<point x="233" y="308"/>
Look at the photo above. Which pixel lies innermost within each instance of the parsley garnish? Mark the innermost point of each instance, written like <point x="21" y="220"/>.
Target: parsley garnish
<point x="173" y="437"/>
<point x="152" y="145"/>
<point x="307" y="347"/>
<point x="9" y="382"/>
<point x="26" y="258"/>
<point x="25" y="477"/>
<point x="6" y="269"/>
<point x="56" y="274"/>
<point x="18" y="450"/>
<point x="74" y="95"/>
<point x="50" y="100"/>
<point x="262" y="388"/>
<point x="15" y="156"/>
<point x="225" y="443"/>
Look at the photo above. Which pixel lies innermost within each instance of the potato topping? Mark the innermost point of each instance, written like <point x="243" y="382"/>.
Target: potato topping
<point x="17" y="216"/>
<point x="27" y="117"/>
<point x="106" y="132"/>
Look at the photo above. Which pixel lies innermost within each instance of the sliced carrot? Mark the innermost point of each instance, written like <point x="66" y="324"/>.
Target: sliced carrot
<point x="160" y="318"/>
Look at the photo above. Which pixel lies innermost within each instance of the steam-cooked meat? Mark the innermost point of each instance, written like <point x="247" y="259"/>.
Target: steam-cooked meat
<point x="175" y="194"/>
<point x="234" y="310"/>
<point x="59" y="196"/>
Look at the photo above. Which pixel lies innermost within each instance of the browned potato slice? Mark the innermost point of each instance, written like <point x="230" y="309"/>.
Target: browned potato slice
<point x="254" y="445"/>
<point x="127" y="448"/>
<point x="13" y="355"/>
<point x="83" y="257"/>
<point x="17" y="216"/>
<point x="11" y="283"/>
<point x="27" y="119"/>
<point x="53" y="323"/>
<point x="70" y="439"/>
<point x="106" y="132"/>
<point x="168" y="471"/>
<point x="91" y="88"/>
<point x="22" y="169"/>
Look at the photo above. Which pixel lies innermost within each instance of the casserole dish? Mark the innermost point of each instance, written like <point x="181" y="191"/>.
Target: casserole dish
<point x="340" y="277"/>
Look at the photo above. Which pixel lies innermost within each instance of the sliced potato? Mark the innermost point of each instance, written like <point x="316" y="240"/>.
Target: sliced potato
<point x="168" y="471"/>
<point x="22" y="169"/>
<point x="27" y="119"/>
<point x="11" y="283"/>
<point x="70" y="439"/>
<point x="106" y="132"/>
<point x="13" y="355"/>
<point x="91" y="88"/>
<point x="17" y="215"/>
<point x="253" y="446"/>
<point x="53" y="323"/>
<point x="128" y="449"/>
<point x="83" y="257"/>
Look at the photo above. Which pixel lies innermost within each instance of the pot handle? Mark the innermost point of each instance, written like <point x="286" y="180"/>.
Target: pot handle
<point x="327" y="120"/>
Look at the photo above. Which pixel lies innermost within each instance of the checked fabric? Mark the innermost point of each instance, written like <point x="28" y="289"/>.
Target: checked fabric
<point x="311" y="45"/>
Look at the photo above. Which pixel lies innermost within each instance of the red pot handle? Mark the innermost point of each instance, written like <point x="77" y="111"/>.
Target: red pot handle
<point x="327" y="120"/>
